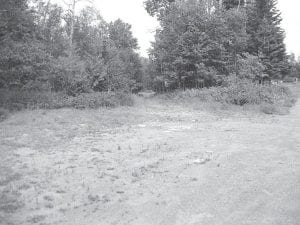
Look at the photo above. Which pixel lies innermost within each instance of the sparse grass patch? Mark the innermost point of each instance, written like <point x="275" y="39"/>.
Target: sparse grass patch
<point x="10" y="201"/>
<point x="268" y="109"/>
<point x="3" y="114"/>
<point x="8" y="178"/>
<point x="36" y="219"/>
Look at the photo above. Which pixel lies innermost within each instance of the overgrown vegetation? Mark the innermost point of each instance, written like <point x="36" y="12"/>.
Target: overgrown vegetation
<point x="52" y="49"/>
<point x="54" y="56"/>
<point x="18" y="100"/>
<point x="240" y="92"/>
<point x="201" y="42"/>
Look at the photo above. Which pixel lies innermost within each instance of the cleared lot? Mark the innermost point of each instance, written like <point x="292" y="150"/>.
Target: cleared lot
<point x="150" y="164"/>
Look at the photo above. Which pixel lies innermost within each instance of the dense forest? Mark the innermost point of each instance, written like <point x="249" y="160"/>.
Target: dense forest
<point x="47" y="47"/>
<point x="205" y="41"/>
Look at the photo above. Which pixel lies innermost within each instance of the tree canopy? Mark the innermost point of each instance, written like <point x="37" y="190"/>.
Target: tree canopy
<point x="207" y="39"/>
<point x="36" y="43"/>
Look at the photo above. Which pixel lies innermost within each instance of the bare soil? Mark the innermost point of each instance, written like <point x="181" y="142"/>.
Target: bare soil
<point x="153" y="164"/>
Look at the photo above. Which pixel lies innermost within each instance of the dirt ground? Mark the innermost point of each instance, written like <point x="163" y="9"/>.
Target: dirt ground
<point x="153" y="164"/>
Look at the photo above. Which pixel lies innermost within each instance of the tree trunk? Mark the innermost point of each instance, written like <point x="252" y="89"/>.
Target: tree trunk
<point x="45" y="14"/>
<point x="72" y="28"/>
<point x="239" y="5"/>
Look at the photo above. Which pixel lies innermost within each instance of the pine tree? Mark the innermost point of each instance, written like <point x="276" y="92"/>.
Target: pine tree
<point x="267" y="37"/>
<point x="16" y="21"/>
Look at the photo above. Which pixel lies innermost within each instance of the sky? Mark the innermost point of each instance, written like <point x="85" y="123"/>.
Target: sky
<point x="143" y="25"/>
<point x="290" y="10"/>
<point x="132" y="12"/>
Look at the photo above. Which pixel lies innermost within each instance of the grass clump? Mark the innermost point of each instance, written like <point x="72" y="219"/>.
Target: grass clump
<point x="22" y="99"/>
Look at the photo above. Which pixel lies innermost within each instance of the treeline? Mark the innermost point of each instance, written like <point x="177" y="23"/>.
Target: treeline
<point x="49" y="48"/>
<point x="201" y="42"/>
<point x="45" y="47"/>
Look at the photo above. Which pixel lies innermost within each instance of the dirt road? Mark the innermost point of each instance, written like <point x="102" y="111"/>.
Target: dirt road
<point x="150" y="165"/>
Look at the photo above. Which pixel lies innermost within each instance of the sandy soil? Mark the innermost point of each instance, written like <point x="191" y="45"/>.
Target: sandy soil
<point x="150" y="165"/>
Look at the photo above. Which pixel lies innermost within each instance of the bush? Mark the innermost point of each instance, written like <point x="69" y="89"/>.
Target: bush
<point x="18" y="100"/>
<point x="70" y="76"/>
<point x="102" y="99"/>
<point x="249" y="66"/>
<point x="237" y="92"/>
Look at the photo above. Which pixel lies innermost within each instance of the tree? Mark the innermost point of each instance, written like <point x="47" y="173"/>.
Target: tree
<point x="47" y="46"/>
<point x="120" y="33"/>
<point x="25" y="59"/>
<point x="195" y="43"/>
<point x="49" y="19"/>
<point x="294" y="66"/>
<point x="249" y="67"/>
<point x="108" y="51"/>
<point x="16" y="21"/>
<point x="71" y="20"/>
<point x="90" y="31"/>
<point x="267" y="37"/>
<point x="157" y="7"/>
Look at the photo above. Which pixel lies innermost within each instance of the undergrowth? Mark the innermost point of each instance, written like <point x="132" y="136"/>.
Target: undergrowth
<point x="271" y="99"/>
<point x="18" y="100"/>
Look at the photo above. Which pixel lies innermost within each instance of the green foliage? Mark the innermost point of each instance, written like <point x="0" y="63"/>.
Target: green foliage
<point x="18" y="100"/>
<point x="48" y="49"/>
<point x="108" y="51"/>
<point x="120" y="33"/>
<point x="200" y="40"/>
<point x="16" y="21"/>
<point x="24" y="62"/>
<point x="196" y="43"/>
<point x="267" y="37"/>
<point x="24" y="57"/>
<point x="23" y="99"/>
<point x="70" y="76"/>
<point x="294" y="66"/>
<point x="249" y="67"/>
<point x="237" y="92"/>
<point x="36" y="43"/>
<point x="102" y="99"/>
<point x="157" y="7"/>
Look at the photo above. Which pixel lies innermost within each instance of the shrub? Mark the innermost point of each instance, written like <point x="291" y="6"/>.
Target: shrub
<point x="237" y="92"/>
<point x="249" y="66"/>
<point x="18" y="100"/>
<point x="101" y="99"/>
<point x="70" y="76"/>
